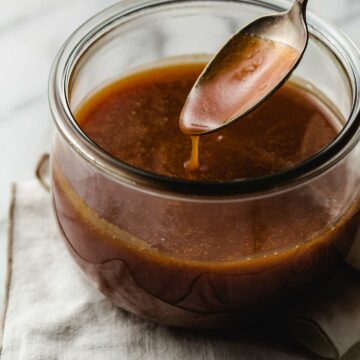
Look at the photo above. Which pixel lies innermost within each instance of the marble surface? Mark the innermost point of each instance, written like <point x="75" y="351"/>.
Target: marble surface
<point x="31" y="32"/>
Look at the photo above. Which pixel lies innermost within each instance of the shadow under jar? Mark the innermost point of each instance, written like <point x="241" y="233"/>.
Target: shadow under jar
<point x="113" y="216"/>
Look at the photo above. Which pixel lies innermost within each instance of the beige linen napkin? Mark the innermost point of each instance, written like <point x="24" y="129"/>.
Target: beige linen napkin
<point x="52" y="313"/>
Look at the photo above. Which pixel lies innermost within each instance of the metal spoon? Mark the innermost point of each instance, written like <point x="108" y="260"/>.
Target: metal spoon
<point x="248" y="69"/>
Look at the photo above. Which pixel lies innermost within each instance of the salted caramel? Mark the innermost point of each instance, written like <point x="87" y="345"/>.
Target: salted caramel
<point x="136" y="120"/>
<point x="201" y="261"/>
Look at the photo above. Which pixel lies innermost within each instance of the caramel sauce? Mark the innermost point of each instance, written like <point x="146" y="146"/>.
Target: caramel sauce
<point x="136" y="120"/>
<point x="193" y="262"/>
<point x="193" y="163"/>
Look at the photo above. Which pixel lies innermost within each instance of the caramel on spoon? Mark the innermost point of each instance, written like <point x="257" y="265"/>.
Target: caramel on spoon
<point x="254" y="63"/>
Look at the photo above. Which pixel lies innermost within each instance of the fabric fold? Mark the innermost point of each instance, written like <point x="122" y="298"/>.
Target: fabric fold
<point x="54" y="313"/>
<point x="330" y="326"/>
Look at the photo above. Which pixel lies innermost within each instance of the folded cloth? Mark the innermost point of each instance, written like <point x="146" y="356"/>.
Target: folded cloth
<point x="51" y="312"/>
<point x="330" y="324"/>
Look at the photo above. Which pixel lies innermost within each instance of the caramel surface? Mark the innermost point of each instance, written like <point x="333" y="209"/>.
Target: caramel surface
<point x="136" y="120"/>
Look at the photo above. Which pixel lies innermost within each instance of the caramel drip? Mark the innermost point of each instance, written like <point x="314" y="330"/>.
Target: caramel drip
<point x="193" y="164"/>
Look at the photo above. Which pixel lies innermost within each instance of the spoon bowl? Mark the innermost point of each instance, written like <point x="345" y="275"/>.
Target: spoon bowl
<point x="251" y="65"/>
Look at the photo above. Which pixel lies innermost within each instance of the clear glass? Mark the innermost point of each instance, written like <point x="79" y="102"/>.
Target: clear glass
<point x="117" y="220"/>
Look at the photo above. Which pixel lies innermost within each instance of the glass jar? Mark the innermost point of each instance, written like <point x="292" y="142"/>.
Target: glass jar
<point x="117" y="220"/>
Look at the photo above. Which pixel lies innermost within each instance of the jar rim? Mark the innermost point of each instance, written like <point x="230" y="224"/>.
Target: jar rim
<point x="82" y="39"/>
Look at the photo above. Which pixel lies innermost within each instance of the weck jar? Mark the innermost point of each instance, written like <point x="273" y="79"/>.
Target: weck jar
<point x="113" y="216"/>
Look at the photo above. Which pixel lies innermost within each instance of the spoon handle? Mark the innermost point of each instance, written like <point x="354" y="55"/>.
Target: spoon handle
<point x="302" y="4"/>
